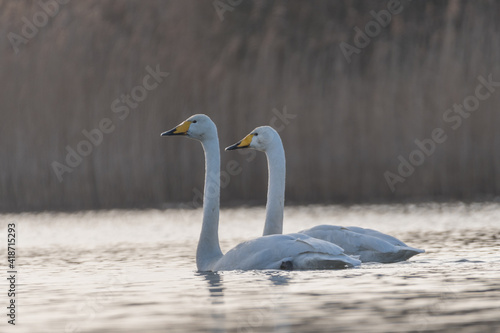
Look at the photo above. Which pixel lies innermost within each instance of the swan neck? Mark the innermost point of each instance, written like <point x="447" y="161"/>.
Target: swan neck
<point x="208" y="246"/>
<point x="276" y="188"/>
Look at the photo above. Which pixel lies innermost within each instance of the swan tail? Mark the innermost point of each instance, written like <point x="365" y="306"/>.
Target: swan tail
<point x="408" y="252"/>
<point x="402" y="254"/>
<point x="307" y="261"/>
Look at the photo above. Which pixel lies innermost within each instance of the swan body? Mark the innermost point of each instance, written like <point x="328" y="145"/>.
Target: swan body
<point x="294" y="251"/>
<point x="291" y="251"/>
<point x="370" y="245"/>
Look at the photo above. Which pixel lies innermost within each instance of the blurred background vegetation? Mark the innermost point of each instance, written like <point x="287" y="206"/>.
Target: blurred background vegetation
<point x="352" y="121"/>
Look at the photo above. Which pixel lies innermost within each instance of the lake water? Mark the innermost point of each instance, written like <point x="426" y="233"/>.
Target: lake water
<point x="134" y="271"/>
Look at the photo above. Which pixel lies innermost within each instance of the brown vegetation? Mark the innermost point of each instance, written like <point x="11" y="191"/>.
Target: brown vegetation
<point x="353" y="119"/>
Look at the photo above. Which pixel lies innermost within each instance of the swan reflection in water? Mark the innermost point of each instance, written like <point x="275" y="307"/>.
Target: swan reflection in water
<point x="215" y="287"/>
<point x="216" y="292"/>
<point x="271" y="313"/>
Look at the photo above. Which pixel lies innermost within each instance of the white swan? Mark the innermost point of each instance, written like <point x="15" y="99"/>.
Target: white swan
<point x="370" y="245"/>
<point x="294" y="251"/>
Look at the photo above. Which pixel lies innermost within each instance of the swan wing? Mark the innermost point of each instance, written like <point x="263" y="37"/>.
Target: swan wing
<point x="292" y="251"/>
<point x="377" y="234"/>
<point x="370" y="245"/>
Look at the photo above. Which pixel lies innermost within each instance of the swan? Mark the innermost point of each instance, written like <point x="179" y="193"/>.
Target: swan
<point x="293" y="251"/>
<point x="370" y="245"/>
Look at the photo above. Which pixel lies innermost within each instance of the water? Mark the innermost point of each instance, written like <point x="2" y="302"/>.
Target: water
<point x="131" y="271"/>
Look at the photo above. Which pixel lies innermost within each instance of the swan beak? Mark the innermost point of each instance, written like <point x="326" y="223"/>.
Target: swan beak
<point x="179" y="130"/>
<point x="245" y="143"/>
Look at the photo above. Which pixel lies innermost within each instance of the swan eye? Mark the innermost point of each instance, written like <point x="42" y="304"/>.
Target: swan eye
<point x="194" y="121"/>
<point x="256" y="134"/>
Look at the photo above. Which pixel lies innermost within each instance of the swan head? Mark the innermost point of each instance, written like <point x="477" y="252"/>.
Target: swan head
<point x="199" y="127"/>
<point x="260" y="139"/>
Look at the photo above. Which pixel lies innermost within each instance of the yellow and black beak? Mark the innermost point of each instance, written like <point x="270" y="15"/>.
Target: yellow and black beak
<point x="245" y="143"/>
<point x="179" y="130"/>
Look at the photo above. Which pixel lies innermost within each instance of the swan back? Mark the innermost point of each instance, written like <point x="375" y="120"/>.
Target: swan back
<point x="370" y="245"/>
<point x="293" y="251"/>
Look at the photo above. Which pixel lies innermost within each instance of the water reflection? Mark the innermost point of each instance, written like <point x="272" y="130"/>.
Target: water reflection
<point x="215" y="286"/>
<point x="216" y="292"/>
<point x="280" y="294"/>
<point x="279" y="278"/>
<point x="453" y="285"/>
